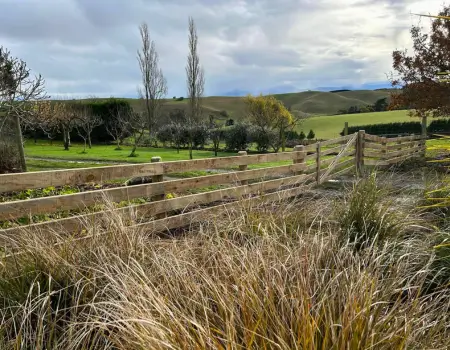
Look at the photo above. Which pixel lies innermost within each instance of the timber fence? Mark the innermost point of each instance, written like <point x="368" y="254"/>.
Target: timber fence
<point x="168" y="203"/>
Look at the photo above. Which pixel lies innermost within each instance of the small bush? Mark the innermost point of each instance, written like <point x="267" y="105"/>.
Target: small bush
<point x="364" y="218"/>
<point x="261" y="138"/>
<point x="237" y="137"/>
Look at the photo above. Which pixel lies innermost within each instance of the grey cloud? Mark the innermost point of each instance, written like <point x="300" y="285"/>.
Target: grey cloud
<point x="89" y="47"/>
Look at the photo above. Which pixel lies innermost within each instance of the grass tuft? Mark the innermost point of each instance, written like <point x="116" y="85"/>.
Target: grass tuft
<point x="255" y="277"/>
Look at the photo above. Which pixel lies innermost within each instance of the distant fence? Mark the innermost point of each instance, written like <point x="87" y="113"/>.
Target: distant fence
<point x="304" y="167"/>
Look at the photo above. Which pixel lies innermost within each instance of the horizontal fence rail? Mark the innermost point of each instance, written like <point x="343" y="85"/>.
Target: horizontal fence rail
<point x="304" y="167"/>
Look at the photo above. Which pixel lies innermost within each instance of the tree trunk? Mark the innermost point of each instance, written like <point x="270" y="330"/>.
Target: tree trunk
<point x="84" y="150"/>
<point x="66" y="140"/>
<point x="89" y="141"/>
<point x="19" y="141"/>
<point x="190" y="151"/>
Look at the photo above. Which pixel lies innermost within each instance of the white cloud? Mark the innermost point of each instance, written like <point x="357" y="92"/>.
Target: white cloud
<point x="89" y="47"/>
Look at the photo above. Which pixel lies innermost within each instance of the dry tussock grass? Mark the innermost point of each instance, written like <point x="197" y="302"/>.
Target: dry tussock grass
<point x="273" y="277"/>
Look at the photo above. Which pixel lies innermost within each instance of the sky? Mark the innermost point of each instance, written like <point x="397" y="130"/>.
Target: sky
<point x="88" y="47"/>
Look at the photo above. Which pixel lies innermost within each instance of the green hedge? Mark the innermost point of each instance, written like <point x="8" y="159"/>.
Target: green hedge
<point x="436" y="126"/>
<point x="387" y="129"/>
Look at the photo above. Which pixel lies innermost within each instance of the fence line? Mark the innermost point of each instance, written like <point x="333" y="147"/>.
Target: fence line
<point x="311" y="165"/>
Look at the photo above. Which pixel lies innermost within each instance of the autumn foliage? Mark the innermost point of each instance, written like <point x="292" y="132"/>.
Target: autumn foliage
<point x="416" y="73"/>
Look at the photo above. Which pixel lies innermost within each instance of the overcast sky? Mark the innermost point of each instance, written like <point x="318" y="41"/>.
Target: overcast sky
<point x="88" y="47"/>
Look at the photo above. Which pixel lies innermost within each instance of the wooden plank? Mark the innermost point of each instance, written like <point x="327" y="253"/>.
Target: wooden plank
<point x="404" y="138"/>
<point x="374" y="145"/>
<point x="17" y="209"/>
<point x="203" y="214"/>
<point x="403" y="145"/>
<point x="329" y="161"/>
<point x="311" y="156"/>
<point x="373" y="138"/>
<point x="342" y="139"/>
<point x="342" y="172"/>
<point x="42" y="179"/>
<point x="402" y="152"/>
<point x="375" y="162"/>
<point x="76" y="223"/>
<point x="332" y="150"/>
<point x="402" y="158"/>
<point x="371" y="154"/>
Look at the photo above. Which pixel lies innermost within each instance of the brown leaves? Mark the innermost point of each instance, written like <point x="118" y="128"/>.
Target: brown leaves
<point x="416" y="73"/>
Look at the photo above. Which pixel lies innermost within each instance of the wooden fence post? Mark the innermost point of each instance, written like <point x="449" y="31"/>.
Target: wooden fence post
<point x="318" y="163"/>
<point x="346" y="129"/>
<point x="424" y="136"/>
<point x="384" y="148"/>
<point x="399" y="143"/>
<point x="243" y="167"/>
<point x="158" y="178"/>
<point x="300" y="156"/>
<point x="360" y="152"/>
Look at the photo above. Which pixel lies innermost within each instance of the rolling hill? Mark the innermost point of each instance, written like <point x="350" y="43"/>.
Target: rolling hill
<point x="307" y="102"/>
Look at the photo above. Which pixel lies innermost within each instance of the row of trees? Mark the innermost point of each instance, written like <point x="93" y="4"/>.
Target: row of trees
<point x="235" y="138"/>
<point x="380" y="105"/>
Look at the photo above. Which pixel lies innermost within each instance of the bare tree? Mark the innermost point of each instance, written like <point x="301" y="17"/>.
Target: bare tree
<point x="154" y="84"/>
<point x="87" y="121"/>
<point x="195" y="79"/>
<point x="137" y="124"/>
<point x="17" y="89"/>
<point x="118" y="125"/>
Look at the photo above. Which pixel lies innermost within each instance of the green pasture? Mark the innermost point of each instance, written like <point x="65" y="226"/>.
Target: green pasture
<point x="329" y="127"/>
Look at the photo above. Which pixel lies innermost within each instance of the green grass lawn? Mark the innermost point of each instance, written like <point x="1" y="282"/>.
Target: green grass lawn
<point x="107" y="153"/>
<point x="329" y="127"/>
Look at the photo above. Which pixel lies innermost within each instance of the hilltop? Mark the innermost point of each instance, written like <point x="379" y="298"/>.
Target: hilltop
<point x="306" y="102"/>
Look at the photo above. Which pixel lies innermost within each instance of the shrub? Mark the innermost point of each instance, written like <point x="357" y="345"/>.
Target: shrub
<point x="165" y="134"/>
<point x="364" y="218"/>
<point x="262" y="138"/>
<point x="200" y="135"/>
<point x="301" y="136"/>
<point x="237" y="137"/>
<point x="311" y="135"/>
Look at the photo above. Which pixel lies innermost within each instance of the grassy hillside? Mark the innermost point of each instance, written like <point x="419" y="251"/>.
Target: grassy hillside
<point x="310" y="102"/>
<point x="328" y="127"/>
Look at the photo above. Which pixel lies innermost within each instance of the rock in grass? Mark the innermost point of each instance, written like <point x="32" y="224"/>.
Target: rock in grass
<point x="139" y="180"/>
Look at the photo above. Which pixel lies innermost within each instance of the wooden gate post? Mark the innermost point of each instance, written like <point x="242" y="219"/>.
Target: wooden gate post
<point x="346" y="129"/>
<point x="243" y="167"/>
<point x="424" y="135"/>
<point x="359" y="158"/>
<point x="299" y="157"/>
<point x="318" y="163"/>
<point x="159" y="197"/>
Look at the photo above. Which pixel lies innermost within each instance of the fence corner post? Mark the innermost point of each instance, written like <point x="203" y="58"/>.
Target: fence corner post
<point x="243" y="167"/>
<point x="424" y="135"/>
<point x="318" y="163"/>
<point x="158" y="178"/>
<point x="299" y="157"/>
<point x="384" y="148"/>
<point x="360" y="152"/>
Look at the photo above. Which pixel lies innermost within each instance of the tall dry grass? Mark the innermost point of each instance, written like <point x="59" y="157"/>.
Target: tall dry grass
<point x="282" y="276"/>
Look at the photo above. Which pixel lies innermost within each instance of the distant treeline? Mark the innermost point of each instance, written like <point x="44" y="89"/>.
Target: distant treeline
<point x="436" y="126"/>
<point x="380" y="105"/>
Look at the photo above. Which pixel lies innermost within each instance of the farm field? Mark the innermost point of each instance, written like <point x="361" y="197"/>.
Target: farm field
<point x="328" y="127"/>
<point x="309" y="102"/>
